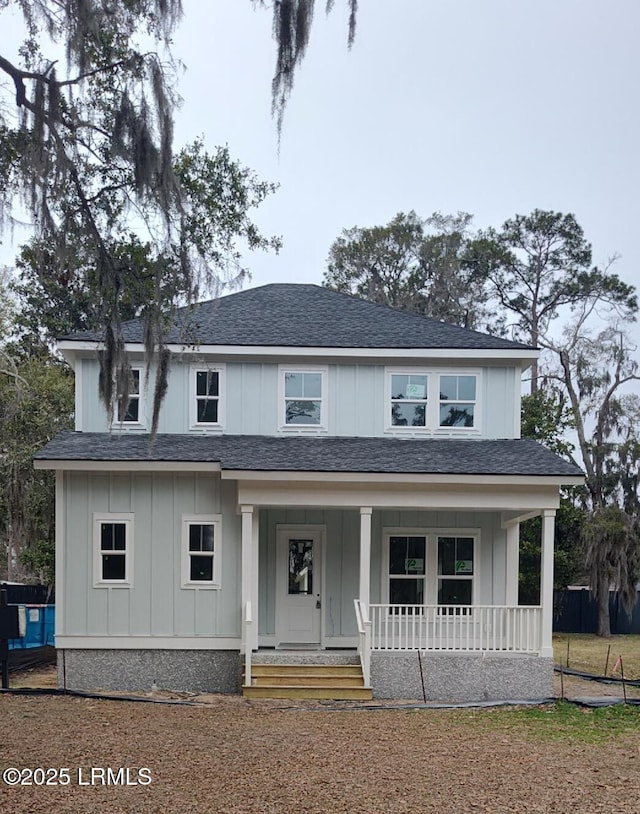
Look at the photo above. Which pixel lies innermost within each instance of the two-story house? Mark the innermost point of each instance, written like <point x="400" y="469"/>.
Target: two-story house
<point x="332" y="480"/>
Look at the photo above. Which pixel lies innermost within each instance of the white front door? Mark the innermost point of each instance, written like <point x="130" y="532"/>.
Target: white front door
<point x="298" y="585"/>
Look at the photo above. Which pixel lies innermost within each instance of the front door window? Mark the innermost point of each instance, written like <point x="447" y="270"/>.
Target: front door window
<point x="300" y="566"/>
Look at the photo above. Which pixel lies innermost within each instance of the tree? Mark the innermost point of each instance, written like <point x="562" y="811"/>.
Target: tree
<point x="219" y="194"/>
<point x="88" y="143"/>
<point x="414" y="264"/>
<point x="547" y="418"/>
<point x="536" y="265"/>
<point x="568" y="556"/>
<point x="36" y="402"/>
<point x="595" y="366"/>
<point x="292" y="20"/>
<point x="49" y="304"/>
<point x="612" y="553"/>
<point x="87" y="146"/>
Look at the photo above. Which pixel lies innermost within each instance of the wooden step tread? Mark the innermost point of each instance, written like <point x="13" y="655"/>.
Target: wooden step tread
<point x="328" y="693"/>
<point x="274" y="680"/>
<point x="258" y="669"/>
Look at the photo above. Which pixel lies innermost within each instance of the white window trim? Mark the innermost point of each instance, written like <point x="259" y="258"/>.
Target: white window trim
<point x="200" y="519"/>
<point x="432" y="412"/>
<point x="475" y="402"/>
<point x="141" y="423"/>
<point x="207" y="426"/>
<point x="472" y="578"/>
<point x="113" y="517"/>
<point x="431" y="575"/>
<point x="406" y="371"/>
<point x="322" y="427"/>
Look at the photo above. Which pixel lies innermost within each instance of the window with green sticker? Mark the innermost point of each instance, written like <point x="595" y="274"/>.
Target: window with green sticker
<point x="455" y="570"/>
<point x="407" y="555"/>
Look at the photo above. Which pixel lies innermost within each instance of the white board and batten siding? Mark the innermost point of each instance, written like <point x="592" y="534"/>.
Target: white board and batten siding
<point x="155" y="604"/>
<point x="341" y="557"/>
<point x="356" y="400"/>
<point x="156" y="608"/>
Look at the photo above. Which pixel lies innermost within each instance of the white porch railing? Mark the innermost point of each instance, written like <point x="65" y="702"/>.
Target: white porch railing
<point x="364" y="640"/>
<point x="247" y="621"/>
<point x="463" y="628"/>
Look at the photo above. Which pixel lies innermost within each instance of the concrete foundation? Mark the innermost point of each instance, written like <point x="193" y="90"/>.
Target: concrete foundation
<point x="137" y="670"/>
<point x="460" y="677"/>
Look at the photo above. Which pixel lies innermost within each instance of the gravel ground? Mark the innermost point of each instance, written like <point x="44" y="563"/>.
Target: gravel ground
<point x="232" y="755"/>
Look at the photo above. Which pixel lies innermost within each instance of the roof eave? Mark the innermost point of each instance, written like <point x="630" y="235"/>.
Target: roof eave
<point x="69" y="348"/>
<point x="315" y="476"/>
<point x="75" y="465"/>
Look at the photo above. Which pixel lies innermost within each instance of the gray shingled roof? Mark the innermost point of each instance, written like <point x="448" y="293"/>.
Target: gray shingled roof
<point x="309" y="316"/>
<point x="450" y="456"/>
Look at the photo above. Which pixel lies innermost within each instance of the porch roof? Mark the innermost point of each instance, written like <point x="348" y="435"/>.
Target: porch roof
<point x="251" y="453"/>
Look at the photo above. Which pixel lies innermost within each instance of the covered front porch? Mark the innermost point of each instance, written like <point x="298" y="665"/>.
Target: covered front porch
<point x="418" y="575"/>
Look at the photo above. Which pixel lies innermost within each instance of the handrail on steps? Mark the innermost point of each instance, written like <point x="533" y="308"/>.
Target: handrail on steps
<point x="247" y="621"/>
<point x="364" y="640"/>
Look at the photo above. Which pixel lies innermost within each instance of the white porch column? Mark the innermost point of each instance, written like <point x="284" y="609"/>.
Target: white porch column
<point x="255" y="562"/>
<point x="512" y="564"/>
<point x="246" y="589"/>
<point x="546" y="581"/>
<point x="365" y="555"/>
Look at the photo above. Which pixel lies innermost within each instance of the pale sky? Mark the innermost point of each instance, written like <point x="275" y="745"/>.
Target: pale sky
<point x="493" y="107"/>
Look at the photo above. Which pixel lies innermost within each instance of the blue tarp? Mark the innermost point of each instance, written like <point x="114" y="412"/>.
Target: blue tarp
<point x="40" y="627"/>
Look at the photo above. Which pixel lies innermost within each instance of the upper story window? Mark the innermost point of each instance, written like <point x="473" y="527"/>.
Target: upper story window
<point x="428" y="401"/>
<point x="457" y="401"/>
<point x="303" y="398"/>
<point x="409" y="399"/>
<point x="113" y="556"/>
<point x="133" y="412"/>
<point x="207" y="390"/>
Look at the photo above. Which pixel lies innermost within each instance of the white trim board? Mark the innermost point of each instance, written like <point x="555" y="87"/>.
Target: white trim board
<point x="148" y="643"/>
<point x="283" y="351"/>
<point x="307" y="477"/>
<point x="128" y="466"/>
<point x="399" y="477"/>
<point x="399" y="496"/>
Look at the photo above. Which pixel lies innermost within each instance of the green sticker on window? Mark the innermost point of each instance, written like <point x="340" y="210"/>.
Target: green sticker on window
<point x="415" y="391"/>
<point x="464" y="566"/>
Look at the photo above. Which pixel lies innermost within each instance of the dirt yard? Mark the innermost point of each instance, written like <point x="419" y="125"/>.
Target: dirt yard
<point x="231" y="755"/>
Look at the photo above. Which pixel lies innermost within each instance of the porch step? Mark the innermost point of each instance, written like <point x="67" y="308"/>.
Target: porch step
<point x="312" y="693"/>
<point x="302" y="670"/>
<point x="319" y="681"/>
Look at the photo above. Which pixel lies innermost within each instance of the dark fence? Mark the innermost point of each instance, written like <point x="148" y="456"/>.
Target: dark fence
<point x="28" y="594"/>
<point x="576" y="612"/>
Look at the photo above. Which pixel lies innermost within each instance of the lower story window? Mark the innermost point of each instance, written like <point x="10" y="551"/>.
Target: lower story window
<point x="430" y="568"/>
<point x="113" y="539"/>
<point x="455" y="571"/>
<point x="201" y="543"/>
<point x="407" y="569"/>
